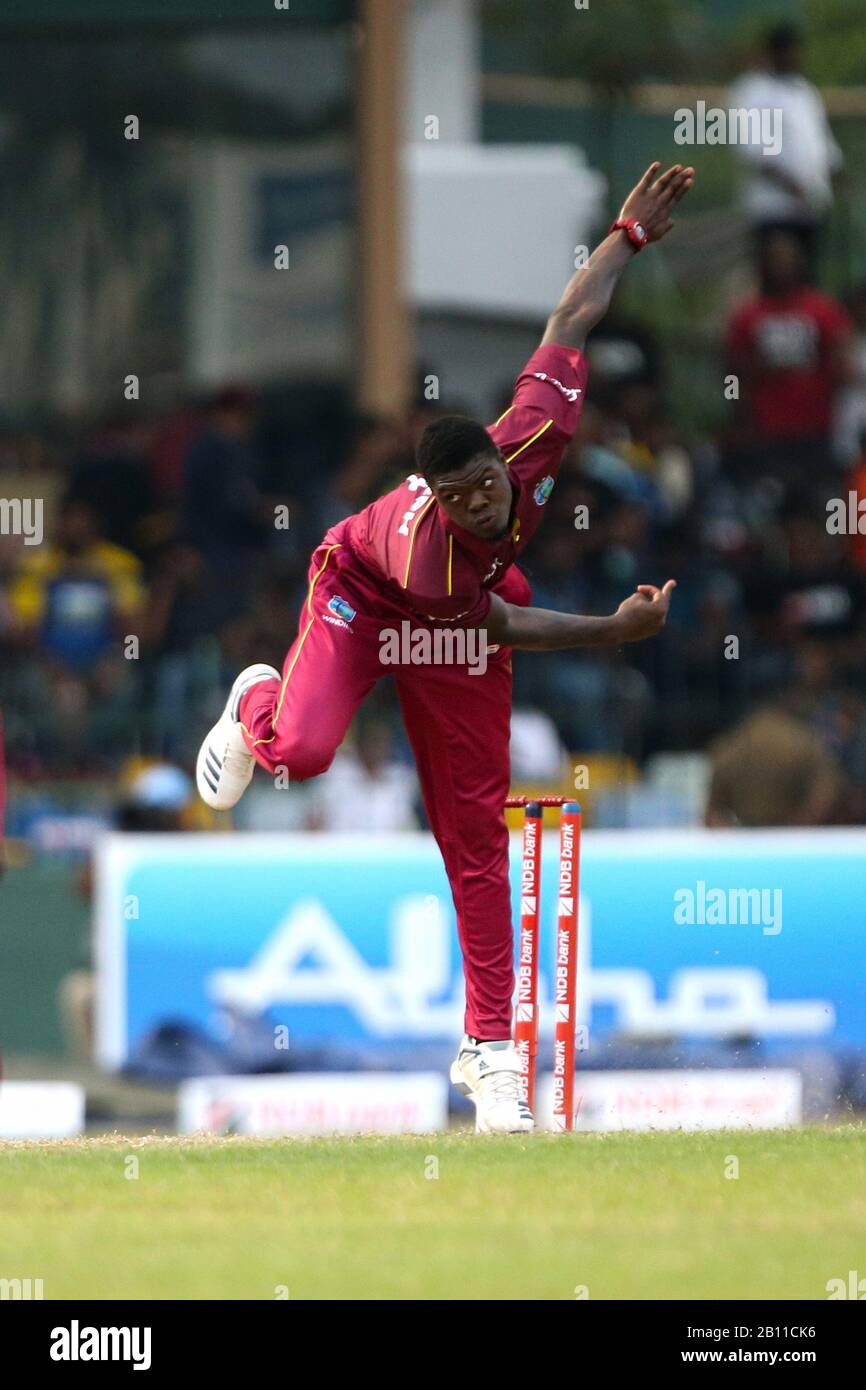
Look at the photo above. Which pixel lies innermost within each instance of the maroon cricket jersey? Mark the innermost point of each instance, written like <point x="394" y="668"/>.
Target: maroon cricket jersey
<point x="435" y="569"/>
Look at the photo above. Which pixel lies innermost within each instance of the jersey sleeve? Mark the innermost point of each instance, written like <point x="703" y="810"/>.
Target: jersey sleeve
<point x="545" y="409"/>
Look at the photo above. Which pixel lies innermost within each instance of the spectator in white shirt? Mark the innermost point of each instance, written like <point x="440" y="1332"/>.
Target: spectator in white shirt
<point x="367" y="788"/>
<point x="792" y="189"/>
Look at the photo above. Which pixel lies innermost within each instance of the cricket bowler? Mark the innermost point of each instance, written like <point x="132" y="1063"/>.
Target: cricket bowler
<point x="437" y="552"/>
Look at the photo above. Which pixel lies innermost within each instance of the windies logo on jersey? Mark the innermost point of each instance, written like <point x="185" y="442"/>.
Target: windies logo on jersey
<point x="342" y="609"/>
<point x="543" y="491"/>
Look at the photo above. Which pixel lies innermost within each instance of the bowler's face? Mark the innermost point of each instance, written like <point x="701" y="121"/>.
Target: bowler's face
<point x="478" y="496"/>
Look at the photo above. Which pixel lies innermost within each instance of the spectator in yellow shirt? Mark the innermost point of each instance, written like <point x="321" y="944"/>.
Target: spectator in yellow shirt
<point x="79" y="595"/>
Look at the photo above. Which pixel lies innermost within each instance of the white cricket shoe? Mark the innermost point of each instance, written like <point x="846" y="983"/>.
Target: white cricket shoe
<point x="489" y="1074"/>
<point x="225" y="765"/>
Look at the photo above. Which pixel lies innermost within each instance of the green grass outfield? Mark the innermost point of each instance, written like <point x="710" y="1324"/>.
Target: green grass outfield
<point x="623" y="1215"/>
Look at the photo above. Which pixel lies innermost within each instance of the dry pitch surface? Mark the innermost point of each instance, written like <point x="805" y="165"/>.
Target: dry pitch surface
<point x="619" y="1216"/>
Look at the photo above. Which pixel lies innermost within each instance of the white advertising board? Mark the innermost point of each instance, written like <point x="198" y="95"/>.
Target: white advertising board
<point x="315" y="1103"/>
<point x="685" y="1100"/>
<point x="41" y="1110"/>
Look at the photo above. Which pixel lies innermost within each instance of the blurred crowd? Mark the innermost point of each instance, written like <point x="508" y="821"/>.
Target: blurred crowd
<point x="171" y="549"/>
<point x="174" y="548"/>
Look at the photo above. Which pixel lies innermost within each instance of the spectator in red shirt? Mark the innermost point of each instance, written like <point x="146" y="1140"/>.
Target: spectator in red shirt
<point x="788" y="346"/>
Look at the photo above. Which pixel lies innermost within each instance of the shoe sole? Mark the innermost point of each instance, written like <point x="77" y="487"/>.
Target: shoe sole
<point x="208" y="765"/>
<point x="208" y="768"/>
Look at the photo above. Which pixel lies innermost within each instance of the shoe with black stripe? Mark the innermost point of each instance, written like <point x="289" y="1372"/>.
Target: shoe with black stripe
<point x="489" y="1074"/>
<point x="225" y="765"/>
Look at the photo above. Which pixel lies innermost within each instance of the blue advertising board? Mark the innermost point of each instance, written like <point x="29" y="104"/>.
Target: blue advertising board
<point x="351" y="941"/>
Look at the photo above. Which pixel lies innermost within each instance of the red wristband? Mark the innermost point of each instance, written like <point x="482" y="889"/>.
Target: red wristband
<point x="634" y="230"/>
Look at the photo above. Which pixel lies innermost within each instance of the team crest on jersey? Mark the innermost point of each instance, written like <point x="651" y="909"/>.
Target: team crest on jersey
<point x="543" y="490"/>
<point x="342" y="609"/>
